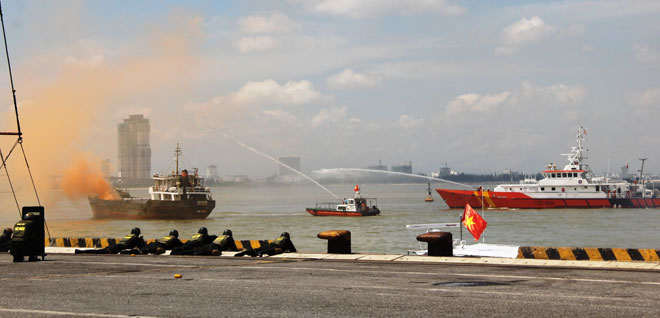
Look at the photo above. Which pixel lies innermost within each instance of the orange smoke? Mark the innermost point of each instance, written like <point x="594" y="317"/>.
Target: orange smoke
<point x="85" y="179"/>
<point x="62" y="110"/>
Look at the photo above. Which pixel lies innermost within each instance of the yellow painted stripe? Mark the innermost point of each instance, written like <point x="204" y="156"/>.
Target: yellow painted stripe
<point x="621" y="254"/>
<point x="486" y="197"/>
<point x="104" y="242"/>
<point x="593" y="253"/>
<point x="491" y="203"/>
<point x="649" y="255"/>
<point x="565" y="253"/>
<point x="239" y="245"/>
<point x="255" y="244"/>
<point x="59" y="242"/>
<point x="539" y="252"/>
<point x="89" y="242"/>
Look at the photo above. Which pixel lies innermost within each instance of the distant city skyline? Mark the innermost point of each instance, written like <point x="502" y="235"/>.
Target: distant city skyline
<point x="480" y="86"/>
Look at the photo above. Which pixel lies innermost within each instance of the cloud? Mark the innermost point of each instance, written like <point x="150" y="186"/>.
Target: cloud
<point x="375" y="8"/>
<point x="646" y="54"/>
<point x="646" y="98"/>
<point x="256" y="44"/>
<point x="349" y="78"/>
<point x="557" y="94"/>
<point x="91" y="61"/>
<point x="407" y="122"/>
<point x="276" y="22"/>
<point x="475" y="102"/>
<point x="521" y="33"/>
<point x="333" y="115"/>
<point x="270" y="92"/>
<point x="280" y="115"/>
<point x="572" y="31"/>
<point x="526" y="95"/>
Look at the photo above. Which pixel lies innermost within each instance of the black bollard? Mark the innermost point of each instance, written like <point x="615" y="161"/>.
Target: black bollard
<point x="339" y="241"/>
<point x="440" y="243"/>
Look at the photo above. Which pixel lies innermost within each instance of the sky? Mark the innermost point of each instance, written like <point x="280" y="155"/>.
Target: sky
<point x="477" y="85"/>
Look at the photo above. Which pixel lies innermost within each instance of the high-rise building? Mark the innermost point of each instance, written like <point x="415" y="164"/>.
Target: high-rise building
<point x="134" y="149"/>
<point x="291" y="161"/>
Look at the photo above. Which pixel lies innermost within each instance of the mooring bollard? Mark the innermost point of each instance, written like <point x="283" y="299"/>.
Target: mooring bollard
<point x="339" y="241"/>
<point x="440" y="243"/>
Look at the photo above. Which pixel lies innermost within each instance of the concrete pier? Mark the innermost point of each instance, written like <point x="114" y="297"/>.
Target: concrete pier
<point x="303" y="285"/>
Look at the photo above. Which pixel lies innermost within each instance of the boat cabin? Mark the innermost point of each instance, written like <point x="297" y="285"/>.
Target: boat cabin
<point x="356" y="204"/>
<point x="177" y="187"/>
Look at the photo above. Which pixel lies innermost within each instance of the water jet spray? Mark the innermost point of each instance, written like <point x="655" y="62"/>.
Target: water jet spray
<point x="276" y="161"/>
<point x="391" y="172"/>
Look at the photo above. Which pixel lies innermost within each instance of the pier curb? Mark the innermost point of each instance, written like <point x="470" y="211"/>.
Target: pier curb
<point x="589" y="254"/>
<point x="96" y="242"/>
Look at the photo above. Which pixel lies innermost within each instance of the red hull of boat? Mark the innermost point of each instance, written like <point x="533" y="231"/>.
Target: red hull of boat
<point x="515" y="200"/>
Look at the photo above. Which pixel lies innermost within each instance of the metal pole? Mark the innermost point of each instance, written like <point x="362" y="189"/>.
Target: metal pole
<point x="460" y="224"/>
<point x="11" y="78"/>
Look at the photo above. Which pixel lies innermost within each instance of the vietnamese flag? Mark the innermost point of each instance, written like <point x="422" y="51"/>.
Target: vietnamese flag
<point x="473" y="222"/>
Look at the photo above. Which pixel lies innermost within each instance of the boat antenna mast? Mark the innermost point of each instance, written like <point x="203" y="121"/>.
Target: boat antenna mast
<point x="177" y="153"/>
<point x="578" y="156"/>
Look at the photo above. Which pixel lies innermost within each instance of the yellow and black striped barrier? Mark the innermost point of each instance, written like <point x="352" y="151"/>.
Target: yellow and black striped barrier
<point x="104" y="242"/>
<point x="589" y="254"/>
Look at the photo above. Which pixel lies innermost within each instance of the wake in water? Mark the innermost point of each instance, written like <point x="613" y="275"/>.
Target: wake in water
<point x="275" y="160"/>
<point x="343" y="170"/>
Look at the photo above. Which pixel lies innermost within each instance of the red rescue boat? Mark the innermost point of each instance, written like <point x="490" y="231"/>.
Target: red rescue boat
<point x="574" y="186"/>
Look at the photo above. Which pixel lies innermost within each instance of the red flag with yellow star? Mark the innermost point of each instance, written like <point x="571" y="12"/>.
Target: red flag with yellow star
<point x="473" y="222"/>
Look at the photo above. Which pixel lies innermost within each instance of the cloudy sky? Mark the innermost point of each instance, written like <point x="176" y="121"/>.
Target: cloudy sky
<point x="483" y="87"/>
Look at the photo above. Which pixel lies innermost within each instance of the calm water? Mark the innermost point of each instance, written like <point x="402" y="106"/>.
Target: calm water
<point x="264" y="212"/>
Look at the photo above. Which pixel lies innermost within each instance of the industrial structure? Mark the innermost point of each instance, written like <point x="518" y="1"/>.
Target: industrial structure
<point x="404" y="168"/>
<point x="134" y="150"/>
<point x="283" y="173"/>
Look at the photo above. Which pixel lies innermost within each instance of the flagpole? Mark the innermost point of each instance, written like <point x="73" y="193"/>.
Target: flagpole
<point x="460" y="221"/>
<point x="483" y="213"/>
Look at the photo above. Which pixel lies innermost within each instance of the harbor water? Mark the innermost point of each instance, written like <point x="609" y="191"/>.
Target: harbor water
<point x="263" y="212"/>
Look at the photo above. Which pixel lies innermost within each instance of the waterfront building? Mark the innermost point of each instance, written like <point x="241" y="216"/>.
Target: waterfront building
<point x="134" y="150"/>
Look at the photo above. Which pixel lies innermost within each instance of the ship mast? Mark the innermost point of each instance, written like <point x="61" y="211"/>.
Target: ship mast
<point x="577" y="159"/>
<point x="641" y="171"/>
<point x="177" y="153"/>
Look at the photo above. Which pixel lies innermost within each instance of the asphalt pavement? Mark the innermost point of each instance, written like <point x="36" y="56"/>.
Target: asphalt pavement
<point x="67" y="285"/>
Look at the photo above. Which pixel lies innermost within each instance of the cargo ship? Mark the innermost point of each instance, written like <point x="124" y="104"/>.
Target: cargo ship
<point x="574" y="186"/>
<point x="356" y="206"/>
<point x="174" y="196"/>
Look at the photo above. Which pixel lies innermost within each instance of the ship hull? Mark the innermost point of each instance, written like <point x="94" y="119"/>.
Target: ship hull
<point x="515" y="200"/>
<point x="326" y="212"/>
<point x="141" y="209"/>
